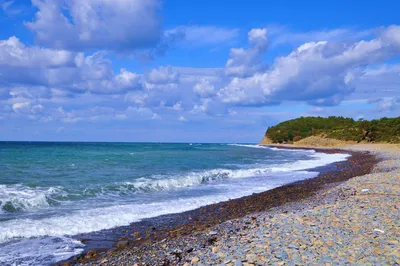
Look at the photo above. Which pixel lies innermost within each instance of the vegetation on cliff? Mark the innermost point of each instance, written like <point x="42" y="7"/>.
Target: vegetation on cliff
<point x="336" y="127"/>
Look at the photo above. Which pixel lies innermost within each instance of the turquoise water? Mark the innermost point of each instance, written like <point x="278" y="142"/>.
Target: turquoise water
<point x="52" y="191"/>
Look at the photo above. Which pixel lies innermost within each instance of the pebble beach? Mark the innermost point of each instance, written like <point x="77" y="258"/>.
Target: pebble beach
<point x="348" y="222"/>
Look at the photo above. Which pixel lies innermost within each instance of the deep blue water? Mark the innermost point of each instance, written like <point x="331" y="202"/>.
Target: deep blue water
<point x="51" y="191"/>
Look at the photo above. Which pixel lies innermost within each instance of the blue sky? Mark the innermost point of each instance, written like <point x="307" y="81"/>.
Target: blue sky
<point x="191" y="71"/>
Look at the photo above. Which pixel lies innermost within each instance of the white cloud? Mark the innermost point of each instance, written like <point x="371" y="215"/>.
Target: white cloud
<point x="137" y="97"/>
<point x="177" y="106"/>
<point x="388" y="105"/>
<point x="156" y="116"/>
<point x="320" y="73"/>
<point x="204" y="88"/>
<point x="37" y="108"/>
<point x="69" y="87"/>
<point x="33" y="66"/>
<point x="13" y="53"/>
<point x="258" y="39"/>
<point x="127" y="80"/>
<point x="162" y="75"/>
<point x="22" y="107"/>
<point x="377" y="82"/>
<point x="79" y="25"/>
<point x="246" y="62"/>
<point x="94" y="73"/>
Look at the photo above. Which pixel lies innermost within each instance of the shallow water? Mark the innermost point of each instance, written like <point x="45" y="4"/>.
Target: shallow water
<point x="50" y="191"/>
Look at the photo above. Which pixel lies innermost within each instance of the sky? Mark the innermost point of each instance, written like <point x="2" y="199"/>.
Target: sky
<point x="191" y="71"/>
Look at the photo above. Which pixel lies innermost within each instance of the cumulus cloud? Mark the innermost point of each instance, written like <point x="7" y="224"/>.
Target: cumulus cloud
<point x="55" y="85"/>
<point x="95" y="73"/>
<point x="40" y="67"/>
<point x="246" y="62"/>
<point x="13" y="53"/>
<point x="182" y="118"/>
<point x="24" y="101"/>
<point x="320" y="73"/>
<point x="204" y="88"/>
<point x="118" y="25"/>
<point x="162" y="75"/>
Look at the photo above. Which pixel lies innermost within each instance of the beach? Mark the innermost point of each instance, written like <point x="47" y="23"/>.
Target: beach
<point x="61" y="200"/>
<point x="347" y="216"/>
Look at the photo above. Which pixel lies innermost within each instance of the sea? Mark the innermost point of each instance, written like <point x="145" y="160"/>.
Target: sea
<point x="52" y="191"/>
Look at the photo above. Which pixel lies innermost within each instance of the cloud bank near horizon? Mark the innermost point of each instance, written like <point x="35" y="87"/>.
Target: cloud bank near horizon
<point x="69" y="75"/>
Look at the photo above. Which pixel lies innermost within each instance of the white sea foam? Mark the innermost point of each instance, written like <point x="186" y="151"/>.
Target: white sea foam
<point x="321" y="159"/>
<point x="95" y="219"/>
<point x="197" y="178"/>
<point x="39" y="251"/>
<point x="19" y="197"/>
<point x="270" y="148"/>
<point x="249" y="146"/>
<point x="22" y="198"/>
<point x="292" y="150"/>
<point x="28" y="241"/>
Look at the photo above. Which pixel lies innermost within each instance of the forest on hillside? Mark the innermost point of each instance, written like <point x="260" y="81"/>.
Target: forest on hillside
<point x="336" y="127"/>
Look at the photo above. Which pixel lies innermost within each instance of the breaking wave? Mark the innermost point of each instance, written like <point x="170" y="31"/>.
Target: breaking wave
<point x="21" y="198"/>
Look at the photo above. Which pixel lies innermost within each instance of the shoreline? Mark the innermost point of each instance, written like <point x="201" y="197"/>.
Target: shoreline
<point x="142" y="237"/>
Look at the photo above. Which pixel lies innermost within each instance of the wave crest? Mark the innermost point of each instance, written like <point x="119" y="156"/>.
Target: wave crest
<point x="15" y="198"/>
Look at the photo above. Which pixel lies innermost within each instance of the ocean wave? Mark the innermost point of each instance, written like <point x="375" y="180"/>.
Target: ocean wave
<point x="99" y="218"/>
<point x="249" y="146"/>
<point x="96" y="219"/>
<point x="292" y="150"/>
<point x="162" y="183"/>
<point x="20" y="198"/>
<point x="271" y="148"/>
<point x="14" y="198"/>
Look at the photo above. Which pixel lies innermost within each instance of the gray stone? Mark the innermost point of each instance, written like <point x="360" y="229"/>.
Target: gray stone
<point x="238" y="263"/>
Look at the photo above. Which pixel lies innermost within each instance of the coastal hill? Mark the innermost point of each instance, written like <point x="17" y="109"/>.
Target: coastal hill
<point x="333" y="131"/>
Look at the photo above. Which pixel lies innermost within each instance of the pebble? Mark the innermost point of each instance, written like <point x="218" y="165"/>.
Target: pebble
<point x="337" y="226"/>
<point x="195" y="260"/>
<point x="122" y="244"/>
<point x="214" y="249"/>
<point x="238" y="263"/>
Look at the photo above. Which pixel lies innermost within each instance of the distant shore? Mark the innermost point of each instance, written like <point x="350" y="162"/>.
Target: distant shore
<point x="316" y="142"/>
<point x="153" y="241"/>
